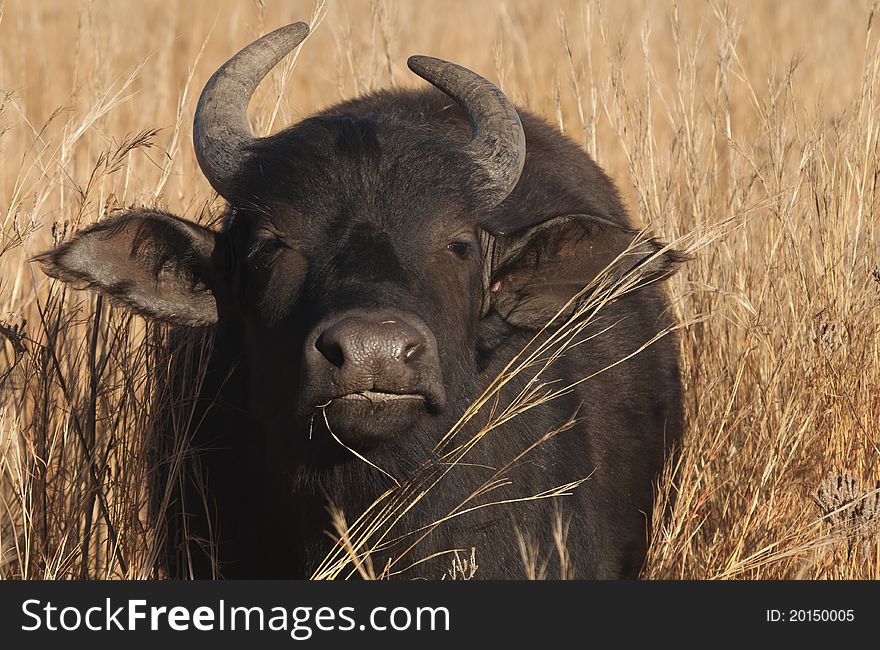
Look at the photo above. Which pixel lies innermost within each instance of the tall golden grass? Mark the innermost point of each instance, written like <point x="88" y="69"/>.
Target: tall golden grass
<point x="747" y="131"/>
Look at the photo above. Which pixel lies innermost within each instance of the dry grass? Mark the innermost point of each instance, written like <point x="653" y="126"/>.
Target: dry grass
<point x="749" y="131"/>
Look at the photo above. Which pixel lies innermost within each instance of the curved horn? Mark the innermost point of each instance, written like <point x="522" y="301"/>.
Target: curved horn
<point x="220" y="127"/>
<point x="498" y="141"/>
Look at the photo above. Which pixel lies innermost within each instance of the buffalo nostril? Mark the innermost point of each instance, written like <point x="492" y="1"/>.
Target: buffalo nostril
<point x="330" y="350"/>
<point x="412" y="350"/>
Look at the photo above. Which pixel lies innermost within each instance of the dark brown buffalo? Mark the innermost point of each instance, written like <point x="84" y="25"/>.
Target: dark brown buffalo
<point x="381" y="262"/>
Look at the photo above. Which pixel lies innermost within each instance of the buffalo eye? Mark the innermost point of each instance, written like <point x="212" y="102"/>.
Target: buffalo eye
<point x="461" y="249"/>
<point x="265" y="249"/>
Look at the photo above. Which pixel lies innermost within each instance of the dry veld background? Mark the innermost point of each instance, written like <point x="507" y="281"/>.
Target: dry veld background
<point x="747" y="131"/>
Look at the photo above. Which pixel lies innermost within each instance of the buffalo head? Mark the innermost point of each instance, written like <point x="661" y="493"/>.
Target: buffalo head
<point x="363" y="260"/>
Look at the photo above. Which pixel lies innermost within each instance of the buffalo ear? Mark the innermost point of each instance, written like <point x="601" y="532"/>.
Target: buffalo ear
<point x="536" y="271"/>
<point x="158" y="265"/>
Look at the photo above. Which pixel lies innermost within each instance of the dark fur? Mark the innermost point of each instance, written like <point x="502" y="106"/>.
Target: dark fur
<point x="352" y="208"/>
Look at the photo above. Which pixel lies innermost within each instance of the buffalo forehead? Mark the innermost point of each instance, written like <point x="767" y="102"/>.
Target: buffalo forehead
<point x="344" y="170"/>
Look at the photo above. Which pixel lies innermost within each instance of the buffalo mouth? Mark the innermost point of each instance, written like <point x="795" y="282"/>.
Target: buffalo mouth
<point x="365" y="418"/>
<point x="376" y="404"/>
<point x="380" y="397"/>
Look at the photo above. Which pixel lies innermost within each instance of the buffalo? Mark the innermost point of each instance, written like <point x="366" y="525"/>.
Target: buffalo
<point x="379" y="265"/>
